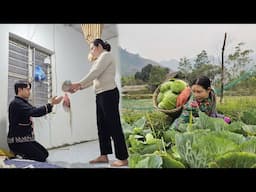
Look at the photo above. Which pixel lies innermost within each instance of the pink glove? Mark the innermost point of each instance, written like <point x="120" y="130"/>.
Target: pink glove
<point x="194" y="104"/>
<point x="227" y="120"/>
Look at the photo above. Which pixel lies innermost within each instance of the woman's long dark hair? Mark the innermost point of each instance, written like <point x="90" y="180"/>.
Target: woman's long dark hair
<point x="104" y="44"/>
<point x="202" y="81"/>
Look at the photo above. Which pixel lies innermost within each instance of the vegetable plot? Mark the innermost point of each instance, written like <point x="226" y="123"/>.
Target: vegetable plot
<point x="207" y="143"/>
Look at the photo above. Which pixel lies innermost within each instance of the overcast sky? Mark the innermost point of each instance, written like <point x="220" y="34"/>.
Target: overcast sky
<point x="174" y="41"/>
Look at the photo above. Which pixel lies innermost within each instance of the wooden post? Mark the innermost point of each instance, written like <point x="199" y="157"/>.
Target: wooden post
<point x="222" y="70"/>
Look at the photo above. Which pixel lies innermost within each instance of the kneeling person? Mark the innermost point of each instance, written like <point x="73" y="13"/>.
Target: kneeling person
<point x="21" y="139"/>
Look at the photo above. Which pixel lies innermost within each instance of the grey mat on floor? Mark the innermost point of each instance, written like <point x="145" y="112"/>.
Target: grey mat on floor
<point x="84" y="165"/>
<point x="24" y="163"/>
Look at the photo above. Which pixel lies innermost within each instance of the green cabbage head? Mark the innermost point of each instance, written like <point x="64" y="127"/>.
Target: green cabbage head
<point x="169" y="101"/>
<point x="178" y="85"/>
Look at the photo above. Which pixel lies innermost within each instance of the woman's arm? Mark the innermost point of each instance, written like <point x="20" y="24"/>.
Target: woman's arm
<point x="86" y="85"/>
<point x="97" y="68"/>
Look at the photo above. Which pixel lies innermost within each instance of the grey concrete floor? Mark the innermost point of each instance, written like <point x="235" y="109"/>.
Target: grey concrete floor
<point x="78" y="156"/>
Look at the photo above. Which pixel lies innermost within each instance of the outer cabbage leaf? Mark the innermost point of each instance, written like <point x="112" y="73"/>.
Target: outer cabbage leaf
<point x="178" y="85"/>
<point x="234" y="160"/>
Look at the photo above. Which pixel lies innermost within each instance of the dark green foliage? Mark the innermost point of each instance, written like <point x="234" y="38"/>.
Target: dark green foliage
<point x="169" y="136"/>
<point x="249" y="117"/>
<point x="169" y="161"/>
<point x="249" y="145"/>
<point x="235" y="160"/>
<point x="236" y="127"/>
<point x="200" y="147"/>
<point x="145" y="161"/>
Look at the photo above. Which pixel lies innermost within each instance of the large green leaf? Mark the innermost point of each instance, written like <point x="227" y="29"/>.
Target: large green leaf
<point x="174" y="153"/>
<point x="249" y="145"/>
<point x="236" y="127"/>
<point x="169" y="161"/>
<point x="142" y="147"/>
<point x="151" y="148"/>
<point x="214" y="124"/>
<point x="236" y="138"/>
<point x="199" y="147"/>
<point x="134" y="159"/>
<point x="184" y="148"/>
<point x="127" y="128"/>
<point x="169" y="136"/>
<point x="249" y="129"/>
<point x="136" y="145"/>
<point x="249" y="117"/>
<point x="152" y="161"/>
<point x="212" y="145"/>
<point x="140" y="122"/>
<point x="234" y="160"/>
<point x="136" y="128"/>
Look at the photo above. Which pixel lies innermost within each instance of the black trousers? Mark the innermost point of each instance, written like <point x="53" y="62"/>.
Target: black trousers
<point x="30" y="150"/>
<point x="109" y="124"/>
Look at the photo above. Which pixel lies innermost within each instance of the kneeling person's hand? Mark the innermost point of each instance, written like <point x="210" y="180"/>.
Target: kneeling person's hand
<point x="56" y="100"/>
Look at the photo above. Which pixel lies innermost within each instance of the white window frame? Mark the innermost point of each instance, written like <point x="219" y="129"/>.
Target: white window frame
<point x="41" y="92"/>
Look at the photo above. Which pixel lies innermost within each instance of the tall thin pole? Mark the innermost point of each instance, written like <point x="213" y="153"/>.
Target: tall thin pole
<point x="222" y="69"/>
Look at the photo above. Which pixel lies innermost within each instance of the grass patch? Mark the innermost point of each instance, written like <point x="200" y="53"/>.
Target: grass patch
<point x="137" y="96"/>
<point x="138" y="104"/>
<point x="160" y="121"/>
<point x="233" y="106"/>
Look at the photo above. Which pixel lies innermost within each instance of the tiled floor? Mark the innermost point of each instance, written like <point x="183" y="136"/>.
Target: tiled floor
<point x="78" y="156"/>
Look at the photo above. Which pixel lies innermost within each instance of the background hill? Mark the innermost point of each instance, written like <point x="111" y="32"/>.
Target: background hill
<point x="132" y="63"/>
<point x="171" y="64"/>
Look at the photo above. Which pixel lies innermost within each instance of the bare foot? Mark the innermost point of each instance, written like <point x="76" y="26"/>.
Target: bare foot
<point x="119" y="163"/>
<point x="100" y="159"/>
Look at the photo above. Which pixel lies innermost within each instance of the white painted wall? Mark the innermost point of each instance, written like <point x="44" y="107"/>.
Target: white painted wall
<point x="69" y="63"/>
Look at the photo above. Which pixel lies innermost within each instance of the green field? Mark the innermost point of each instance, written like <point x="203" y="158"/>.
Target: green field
<point x="232" y="106"/>
<point x="137" y="104"/>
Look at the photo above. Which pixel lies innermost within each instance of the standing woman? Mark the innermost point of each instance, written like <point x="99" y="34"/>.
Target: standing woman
<point x="102" y="77"/>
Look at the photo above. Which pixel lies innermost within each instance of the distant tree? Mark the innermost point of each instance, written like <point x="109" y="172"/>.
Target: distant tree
<point x="130" y="80"/>
<point x="201" y="59"/>
<point x="202" y="66"/>
<point x="137" y="76"/>
<point x="144" y="74"/>
<point x="185" y="67"/>
<point x="152" y="75"/>
<point x="209" y="70"/>
<point x="157" y="76"/>
<point x="239" y="59"/>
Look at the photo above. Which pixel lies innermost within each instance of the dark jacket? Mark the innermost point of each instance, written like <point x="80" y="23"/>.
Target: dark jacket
<point x="20" y="124"/>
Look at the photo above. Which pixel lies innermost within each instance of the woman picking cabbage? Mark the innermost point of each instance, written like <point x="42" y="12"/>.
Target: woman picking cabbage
<point x="202" y="98"/>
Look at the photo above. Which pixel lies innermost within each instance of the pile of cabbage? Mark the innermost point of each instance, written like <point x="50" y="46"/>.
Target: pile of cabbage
<point x="169" y="91"/>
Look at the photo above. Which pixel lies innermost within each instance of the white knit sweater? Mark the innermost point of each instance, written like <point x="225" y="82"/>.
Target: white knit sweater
<point x="102" y="74"/>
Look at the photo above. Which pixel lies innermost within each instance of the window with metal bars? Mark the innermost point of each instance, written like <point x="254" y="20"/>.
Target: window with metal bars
<point x="23" y="59"/>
